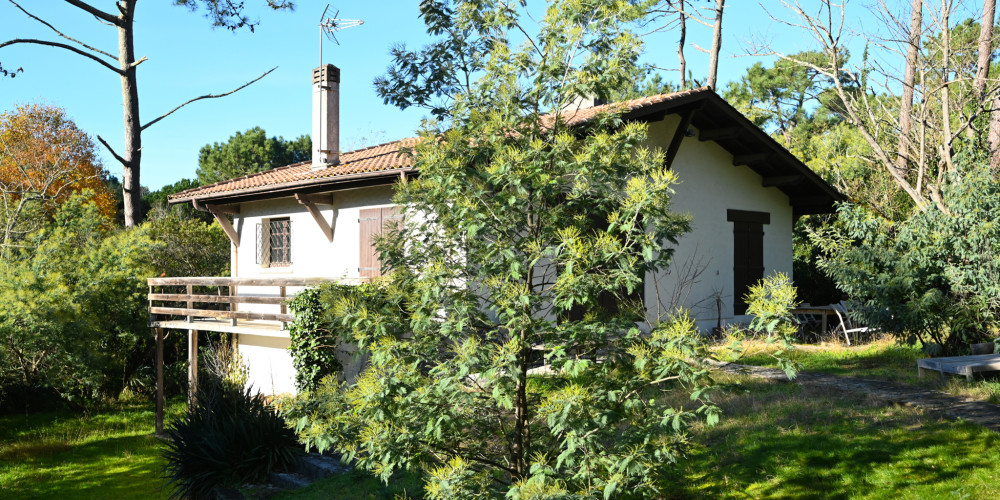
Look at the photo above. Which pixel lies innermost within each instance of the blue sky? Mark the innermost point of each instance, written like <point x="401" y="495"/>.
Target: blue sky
<point x="187" y="58"/>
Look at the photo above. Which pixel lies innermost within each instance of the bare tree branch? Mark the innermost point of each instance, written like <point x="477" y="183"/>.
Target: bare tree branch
<point x="113" y="153"/>
<point x="88" y="47"/>
<point x="100" y="14"/>
<point x="62" y="46"/>
<point x="206" y="96"/>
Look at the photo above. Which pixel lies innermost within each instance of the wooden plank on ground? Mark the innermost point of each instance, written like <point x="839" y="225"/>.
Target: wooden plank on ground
<point x="966" y="366"/>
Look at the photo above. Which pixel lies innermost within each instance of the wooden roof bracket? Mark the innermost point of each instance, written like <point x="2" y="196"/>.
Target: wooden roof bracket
<point x="310" y="201"/>
<point x="679" y="133"/>
<point x="219" y="212"/>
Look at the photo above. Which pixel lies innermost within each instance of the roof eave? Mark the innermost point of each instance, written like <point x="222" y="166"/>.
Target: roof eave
<point x="289" y="188"/>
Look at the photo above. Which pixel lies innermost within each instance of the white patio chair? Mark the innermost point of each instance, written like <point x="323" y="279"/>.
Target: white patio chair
<point x="845" y="323"/>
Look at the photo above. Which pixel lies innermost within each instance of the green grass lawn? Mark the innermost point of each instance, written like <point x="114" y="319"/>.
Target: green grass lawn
<point x="775" y="440"/>
<point x="783" y="440"/>
<point x="883" y="359"/>
<point x="107" y="454"/>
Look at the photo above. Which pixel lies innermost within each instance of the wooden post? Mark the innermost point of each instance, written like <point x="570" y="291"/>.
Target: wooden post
<point x="233" y="291"/>
<point x="159" y="381"/>
<point x="282" y="291"/>
<point x="190" y="303"/>
<point x="192" y="366"/>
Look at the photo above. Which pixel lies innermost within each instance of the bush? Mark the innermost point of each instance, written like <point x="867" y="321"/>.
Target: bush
<point x="230" y="436"/>
<point x="932" y="277"/>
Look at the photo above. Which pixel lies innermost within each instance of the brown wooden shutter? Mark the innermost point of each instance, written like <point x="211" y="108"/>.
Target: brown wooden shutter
<point x="748" y="253"/>
<point x="391" y="218"/>
<point x="370" y="222"/>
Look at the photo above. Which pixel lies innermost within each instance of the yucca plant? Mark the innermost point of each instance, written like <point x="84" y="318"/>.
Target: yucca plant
<point x="230" y="436"/>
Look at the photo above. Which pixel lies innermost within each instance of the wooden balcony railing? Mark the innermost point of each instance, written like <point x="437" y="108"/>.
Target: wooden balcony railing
<point x="219" y="298"/>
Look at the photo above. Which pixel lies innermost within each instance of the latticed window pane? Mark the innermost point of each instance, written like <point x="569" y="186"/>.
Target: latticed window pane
<point x="280" y="242"/>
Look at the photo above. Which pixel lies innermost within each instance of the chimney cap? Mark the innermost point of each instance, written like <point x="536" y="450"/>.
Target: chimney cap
<point x="326" y="73"/>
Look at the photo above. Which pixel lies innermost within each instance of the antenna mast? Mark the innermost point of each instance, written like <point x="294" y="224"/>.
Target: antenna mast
<point x="329" y="26"/>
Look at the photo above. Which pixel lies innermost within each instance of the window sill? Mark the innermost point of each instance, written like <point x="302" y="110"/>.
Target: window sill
<point x="276" y="270"/>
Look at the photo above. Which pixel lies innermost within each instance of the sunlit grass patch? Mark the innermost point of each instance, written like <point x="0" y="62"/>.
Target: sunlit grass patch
<point x="784" y="440"/>
<point x="107" y="454"/>
<point x="884" y="359"/>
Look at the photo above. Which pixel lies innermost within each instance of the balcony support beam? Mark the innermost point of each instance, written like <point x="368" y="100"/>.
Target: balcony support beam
<point x="310" y="202"/>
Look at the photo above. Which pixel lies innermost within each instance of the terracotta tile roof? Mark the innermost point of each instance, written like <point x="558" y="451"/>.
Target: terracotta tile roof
<point x="384" y="157"/>
<point x="371" y="159"/>
<point x="582" y="115"/>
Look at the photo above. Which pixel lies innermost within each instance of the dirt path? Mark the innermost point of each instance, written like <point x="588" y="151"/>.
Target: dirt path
<point x="954" y="407"/>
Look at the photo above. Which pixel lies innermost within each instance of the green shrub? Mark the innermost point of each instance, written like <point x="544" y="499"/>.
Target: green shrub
<point x="932" y="277"/>
<point x="230" y="436"/>
<point x="770" y="302"/>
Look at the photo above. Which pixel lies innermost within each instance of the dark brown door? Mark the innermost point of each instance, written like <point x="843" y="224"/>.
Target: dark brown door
<point x="748" y="253"/>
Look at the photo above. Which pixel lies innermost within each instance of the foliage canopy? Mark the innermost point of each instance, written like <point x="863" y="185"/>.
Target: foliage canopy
<point x="507" y="356"/>
<point x="247" y="153"/>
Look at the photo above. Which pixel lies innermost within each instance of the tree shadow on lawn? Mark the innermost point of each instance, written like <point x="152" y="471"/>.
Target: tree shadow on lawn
<point x="786" y="440"/>
<point x="119" y="467"/>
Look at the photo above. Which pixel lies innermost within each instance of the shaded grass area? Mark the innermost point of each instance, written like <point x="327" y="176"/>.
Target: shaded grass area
<point x="884" y="359"/>
<point x="359" y="485"/>
<point x="106" y="454"/>
<point x="783" y="440"/>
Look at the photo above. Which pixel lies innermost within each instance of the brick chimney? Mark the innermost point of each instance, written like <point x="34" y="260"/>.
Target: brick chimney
<point x="326" y="117"/>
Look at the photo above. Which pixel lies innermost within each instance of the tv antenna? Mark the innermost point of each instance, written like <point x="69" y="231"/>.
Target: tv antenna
<point x="329" y="26"/>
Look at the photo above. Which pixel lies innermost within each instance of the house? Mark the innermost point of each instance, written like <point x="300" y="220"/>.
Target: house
<point x="317" y="219"/>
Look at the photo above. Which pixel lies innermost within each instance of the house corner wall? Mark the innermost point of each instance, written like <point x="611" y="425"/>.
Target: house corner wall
<point x="700" y="276"/>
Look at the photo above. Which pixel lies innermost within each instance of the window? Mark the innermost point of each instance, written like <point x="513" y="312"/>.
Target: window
<point x="748" y="253"/>
<point x="373" y="222"/>
<point x="274" y="243"/>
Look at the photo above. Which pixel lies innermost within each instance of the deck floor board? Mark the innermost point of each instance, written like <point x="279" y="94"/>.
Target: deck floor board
<point x="966" y="366"/>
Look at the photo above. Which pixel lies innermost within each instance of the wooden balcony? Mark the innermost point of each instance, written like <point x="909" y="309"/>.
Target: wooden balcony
<point x="256" y="306"/>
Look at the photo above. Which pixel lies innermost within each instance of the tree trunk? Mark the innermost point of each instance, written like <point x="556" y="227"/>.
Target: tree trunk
<point x="982" y="73"/>
<point x="946" y="149"/>
<point x="680" y="46"/>
<point x="985" y="47"/>
<point x="909" y="74"/>
<point x="713" y="64"/>
<point x="130" y="101"/>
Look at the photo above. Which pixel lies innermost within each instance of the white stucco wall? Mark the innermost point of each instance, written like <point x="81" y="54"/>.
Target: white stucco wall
<point x="312" y="256"/>
<point x="709" y="186"/>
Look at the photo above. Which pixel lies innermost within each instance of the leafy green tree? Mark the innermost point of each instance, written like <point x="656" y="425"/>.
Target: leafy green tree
<point x="249" y="152"/>
<point x="931" y="277"/>
<point x="72" y="307"/>
<point x="784" y="96"/>
<point x="519" y="235"/>
<point x="187" y="247"/>
<point x="156" y="206"/>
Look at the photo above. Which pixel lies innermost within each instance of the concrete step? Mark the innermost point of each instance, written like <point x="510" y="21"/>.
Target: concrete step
<point x="318" y="467"/>
<point x="289" y="480"/>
